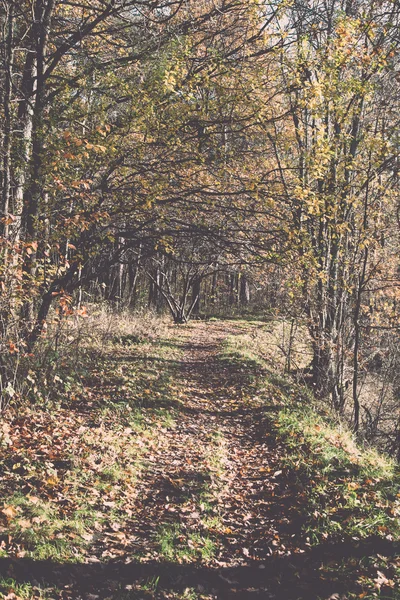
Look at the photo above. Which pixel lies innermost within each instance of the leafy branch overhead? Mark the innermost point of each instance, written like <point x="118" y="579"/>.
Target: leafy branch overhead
<point x="204" y="160"/>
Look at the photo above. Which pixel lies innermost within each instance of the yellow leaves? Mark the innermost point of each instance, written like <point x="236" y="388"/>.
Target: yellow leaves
<point x="10" y="511"/>
<point x="52" y="481"/>
<point x="314" y="95"/>
<point x="24" y="523"/>
<point x="312" y="202"/>
<point x="352" y="485"/>
<point x="169" y="81"/>
<point x="300" y="193"/>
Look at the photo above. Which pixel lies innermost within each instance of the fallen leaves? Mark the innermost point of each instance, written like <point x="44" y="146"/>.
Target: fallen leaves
<point x="24" y="523"/>
<point x="213" y="478"/>
<point x="382" y="581"/>
<point x="10" y="512"/>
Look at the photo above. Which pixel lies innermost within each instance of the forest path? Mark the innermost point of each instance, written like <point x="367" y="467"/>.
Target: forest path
<point x="213" y="479"/>
<point x="211" y="513"/>
<point x="214" y="515"/>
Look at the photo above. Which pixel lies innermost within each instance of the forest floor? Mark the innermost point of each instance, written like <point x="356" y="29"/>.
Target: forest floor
<point x="183" y="468"/>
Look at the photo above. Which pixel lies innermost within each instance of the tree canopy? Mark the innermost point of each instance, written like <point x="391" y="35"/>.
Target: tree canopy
<point x="195" y="148"/>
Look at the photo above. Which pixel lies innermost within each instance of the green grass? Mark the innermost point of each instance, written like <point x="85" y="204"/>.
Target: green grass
<point x="344" y="493"/>
<point x="24" y="591"/>
<point x="42" y="533"/>
<point x="354" y="491"/>
<point x="80" y="455"/>
<point x="178" y="545"/>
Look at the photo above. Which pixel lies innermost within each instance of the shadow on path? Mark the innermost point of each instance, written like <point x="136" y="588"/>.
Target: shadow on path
<point x="261" y="551"/>
<point x="283" y="578"/>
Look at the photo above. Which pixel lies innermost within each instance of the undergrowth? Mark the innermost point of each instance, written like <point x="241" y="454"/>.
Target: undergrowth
<point x="71" y="460"/>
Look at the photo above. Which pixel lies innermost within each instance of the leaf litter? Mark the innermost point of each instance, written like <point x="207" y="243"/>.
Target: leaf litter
<point x="175" y="487"/>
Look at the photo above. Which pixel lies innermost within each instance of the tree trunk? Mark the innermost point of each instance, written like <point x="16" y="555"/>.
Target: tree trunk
<point x="7" y="144"/>
<point x="42" y="12"/>
<point x="196" y="296"/>
<point x="244" y="290"/>
<point x="23" y="143"/>
<point x="214" y="287"/>
<point x="232" y="289"/>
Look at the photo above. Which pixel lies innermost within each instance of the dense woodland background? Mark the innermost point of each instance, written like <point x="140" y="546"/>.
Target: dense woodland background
<point x="202" y="158"/>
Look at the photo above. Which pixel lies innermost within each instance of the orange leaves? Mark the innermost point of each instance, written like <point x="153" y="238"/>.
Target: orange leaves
<point x="65" y="305"/>
<point x="95" y="147"/>
<point x="52" y="481"/>
<point x="7" y="220"/>
<point x="12" y="348"/>
<point x="103" y="131"/>
<point x="10" y="512"/>
<point x="31" y="247"/>
<point x="82" y="183"/>
<point x="71" y="154"/>
<point x="82" y="312"/>
<point x="352" y="485"/>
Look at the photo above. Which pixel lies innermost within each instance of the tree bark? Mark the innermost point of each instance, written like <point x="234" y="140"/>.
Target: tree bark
<point x="7" y="144"/>
<point x="196" y="285"/>
<point x="244" y="290"/>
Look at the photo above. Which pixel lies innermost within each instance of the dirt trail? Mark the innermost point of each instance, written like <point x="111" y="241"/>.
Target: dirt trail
<point x="217" y="392"/>
<point x="213" y="514"/>
<point x="220" y="443"/>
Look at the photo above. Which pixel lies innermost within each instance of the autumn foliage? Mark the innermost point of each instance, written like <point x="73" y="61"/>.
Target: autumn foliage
<point x="199" y="155"/>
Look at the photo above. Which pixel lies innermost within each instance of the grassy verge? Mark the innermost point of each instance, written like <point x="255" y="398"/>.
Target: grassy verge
<point x="70" y="463"/>
<point x="346" y="497"/>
